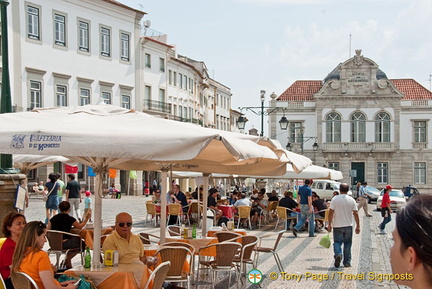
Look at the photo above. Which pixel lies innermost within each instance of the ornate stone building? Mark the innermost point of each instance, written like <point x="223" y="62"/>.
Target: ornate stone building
<point x="370" y="127"/>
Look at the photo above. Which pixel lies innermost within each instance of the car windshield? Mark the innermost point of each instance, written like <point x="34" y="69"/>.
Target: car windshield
<point x="397" y="194"/>
<point x="372" y="189"/>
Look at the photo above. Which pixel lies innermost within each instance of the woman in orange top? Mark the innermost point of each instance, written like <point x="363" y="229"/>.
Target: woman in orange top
<point x="29" y="258"/>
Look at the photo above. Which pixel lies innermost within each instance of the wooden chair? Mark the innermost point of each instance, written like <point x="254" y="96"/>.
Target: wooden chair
<point x="225" y="236"/>
<point x="151" y="211"/>
<point x="272" y="209"/>
<point x="260" y="249"/>
<point x="244" y="213"/>
<point x="55" y="240"/>
<point x="177" y="256"/>
<point x="223" y="261"/>
<point x="147" y="238"/>
<point x="23" y="281"/>
<point x="282" y="214"/>
<point x="175" y="210"/>
<point x="157" y="276"/>
<point x="195" y="210"/>
<point x="174" y="230"/>
<point x="248" y="244"/>
<point x="185" y="245"/>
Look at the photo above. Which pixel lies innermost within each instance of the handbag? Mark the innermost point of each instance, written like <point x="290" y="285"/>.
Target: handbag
<point x="45" y="197"/>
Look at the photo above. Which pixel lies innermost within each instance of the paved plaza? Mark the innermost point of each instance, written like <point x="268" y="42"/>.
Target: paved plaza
<point x="305" y="262"/>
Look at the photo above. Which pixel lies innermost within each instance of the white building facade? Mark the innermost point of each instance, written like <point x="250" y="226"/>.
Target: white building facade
<point x="370" y="127"/>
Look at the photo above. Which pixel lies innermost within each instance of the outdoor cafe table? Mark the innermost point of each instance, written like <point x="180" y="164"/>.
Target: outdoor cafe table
<point x="197" y="243"/>
<point x="214" y="230"/>
<point x="123" y="276"/>
<point x="87" y="234"/>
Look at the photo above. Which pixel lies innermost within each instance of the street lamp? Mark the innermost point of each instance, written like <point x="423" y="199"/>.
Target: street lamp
<point x="241" y="121"/>
<point x="303" y="139"/>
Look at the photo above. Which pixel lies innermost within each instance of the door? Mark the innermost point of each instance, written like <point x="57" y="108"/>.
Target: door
<point x="360" y="173"/>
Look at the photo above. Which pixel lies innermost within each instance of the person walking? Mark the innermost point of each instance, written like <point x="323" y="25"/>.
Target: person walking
<point x="50" y="191"/>
<point x="362" y="199"/>
<point x="73" y="196"/>
<point x="342" y="210"/>
<point x="385" y="209"/>
<point x="306" y="209"/>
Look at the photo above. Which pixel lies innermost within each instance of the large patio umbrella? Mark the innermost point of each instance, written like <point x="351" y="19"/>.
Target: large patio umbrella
<point x="104" y="136"/>
<point x="26" y="163"/>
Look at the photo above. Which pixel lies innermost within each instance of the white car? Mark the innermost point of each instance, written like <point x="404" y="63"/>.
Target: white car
<point x="397" y="199"/>
<point x="325" y="188"/>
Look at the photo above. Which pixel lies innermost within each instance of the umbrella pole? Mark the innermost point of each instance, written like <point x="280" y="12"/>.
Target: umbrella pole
<point x="164" y="190"/>
<point x="97" y="221"/>
<point x="204" y="217"/>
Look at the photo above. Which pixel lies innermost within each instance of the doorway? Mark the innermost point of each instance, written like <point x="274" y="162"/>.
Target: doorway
<point x="359" y="175"/>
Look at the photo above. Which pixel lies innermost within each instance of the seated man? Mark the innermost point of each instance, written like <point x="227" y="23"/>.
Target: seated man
<point x="289" y="203"/>
<point x="273" y="196"/>
<point x="258" y="205"/>
<point x="128" y="245"/>
<point x="242" y="201"/>
<point x="320" y="205"/>
<point x="212" y="203"/>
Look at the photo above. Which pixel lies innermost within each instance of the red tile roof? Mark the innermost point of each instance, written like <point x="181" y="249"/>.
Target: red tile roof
<point x="412" y="89"/>
<point x="303" y="90"/>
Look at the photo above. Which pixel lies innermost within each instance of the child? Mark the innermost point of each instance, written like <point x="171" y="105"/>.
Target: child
<point x="87" y="205"/>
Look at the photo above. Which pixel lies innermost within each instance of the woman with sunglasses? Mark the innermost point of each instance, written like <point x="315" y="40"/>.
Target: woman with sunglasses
<point x="30" y="259"/>
<point x="128" y="245"/>
<point x="64" y="222"/>
<point x="411" y="253"/>
<point x="13" y="224"/>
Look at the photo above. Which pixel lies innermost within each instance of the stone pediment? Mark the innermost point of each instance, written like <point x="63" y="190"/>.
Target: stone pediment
<point x="358" y="76"/>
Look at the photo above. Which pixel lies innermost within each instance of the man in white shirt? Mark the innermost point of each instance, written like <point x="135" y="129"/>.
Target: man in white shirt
<point x="342" y="210"/>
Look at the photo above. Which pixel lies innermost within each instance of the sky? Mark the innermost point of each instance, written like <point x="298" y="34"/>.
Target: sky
<point x="250" y="45"/>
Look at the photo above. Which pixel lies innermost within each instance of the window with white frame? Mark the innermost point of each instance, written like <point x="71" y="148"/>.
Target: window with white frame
<point x="180" y="80"/>
<point x="83" y="36"/>
<point x="334" y="165"/>
<point x="106" y="96"/>
<point x="161" y="95"/>
<point x="358" y="127"/>
<point x="33" y="24"/>
<point x="185" y="114"/>
<point x="174" y="78"/>
<point x="59" y="30"/>
<point x="147" y="60"/>
<point x="382" y="173"/>
<point x="191" y="85"/>
<point x="125" y="101"/>
<point x="35" y="94"/>
<point x="420" y="173"/>
<point x="147" y="92"/>
<point x="161" y="64"/>
<point x="124" y="46"/>
<point x="382" y="127"/>
<point x="105" y="41"/>
<point x="170" y="77"/>
<point x="185" y="82"/>
<point x="84" y="96"/>
<point x="333" y="127"/>
<point x="419" y="131"/>
<point x="180" y="111"/>
<point x="295" y="132"/>
<point x="61" y="95"/>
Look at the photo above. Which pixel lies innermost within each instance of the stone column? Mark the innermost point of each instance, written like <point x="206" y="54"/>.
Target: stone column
<point x="8" y="185"/>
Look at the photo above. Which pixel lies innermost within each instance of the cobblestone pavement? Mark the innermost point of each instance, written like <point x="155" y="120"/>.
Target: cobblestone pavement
<point x="301" y="256"/>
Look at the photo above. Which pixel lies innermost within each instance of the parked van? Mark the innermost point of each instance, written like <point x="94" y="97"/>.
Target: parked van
<point x="325" y="188"/>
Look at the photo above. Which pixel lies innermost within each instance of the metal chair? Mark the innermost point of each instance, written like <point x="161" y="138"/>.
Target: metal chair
<point x="147" y="238"/>
<point x="175" y="210"/>
<point x="223" y="261"/>
<point x="55" y="240"/>
<point x="23" y="281"/>
<point x="157" y="276"/>
<point x="151" y="211"/>
<point x="185" y="245"/>
<point x="260" y="249"/>
<point x="195" y="210"/>
<point x="177" y="255"/>
<point x="244" y="213"/>
<point x="248" y="244"/>
<point x="321" y="221"/>
<point x="174" y="230"/>
<point x="2" y="283"/>
<point x="282" y="214"/>
<point x="271" y="209"/>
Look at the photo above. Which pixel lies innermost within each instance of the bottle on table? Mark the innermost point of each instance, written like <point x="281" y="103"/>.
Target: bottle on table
<point x="194" y="231"/>
<point x="87" y="258"/>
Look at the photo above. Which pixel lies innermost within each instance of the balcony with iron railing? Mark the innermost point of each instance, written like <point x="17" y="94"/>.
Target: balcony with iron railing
<point x="157" y="106"/>
<point x="184" y="119"/>
<point x="358" y="147"/>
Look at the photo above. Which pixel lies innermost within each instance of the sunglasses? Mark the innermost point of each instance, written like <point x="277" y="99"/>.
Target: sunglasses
<point x="123" y="224"/>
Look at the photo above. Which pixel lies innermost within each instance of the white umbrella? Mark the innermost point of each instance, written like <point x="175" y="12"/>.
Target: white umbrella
<point x="104" y="136"/>
<point x="25" y="163"/>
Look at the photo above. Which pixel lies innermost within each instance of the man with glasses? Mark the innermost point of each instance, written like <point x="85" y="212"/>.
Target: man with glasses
<point x="128" y="245"/>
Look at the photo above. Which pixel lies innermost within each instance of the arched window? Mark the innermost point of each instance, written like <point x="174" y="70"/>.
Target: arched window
<point x="382" y="127"/>
<point x="333" y="127"/>
<point x="358" y="127"/>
